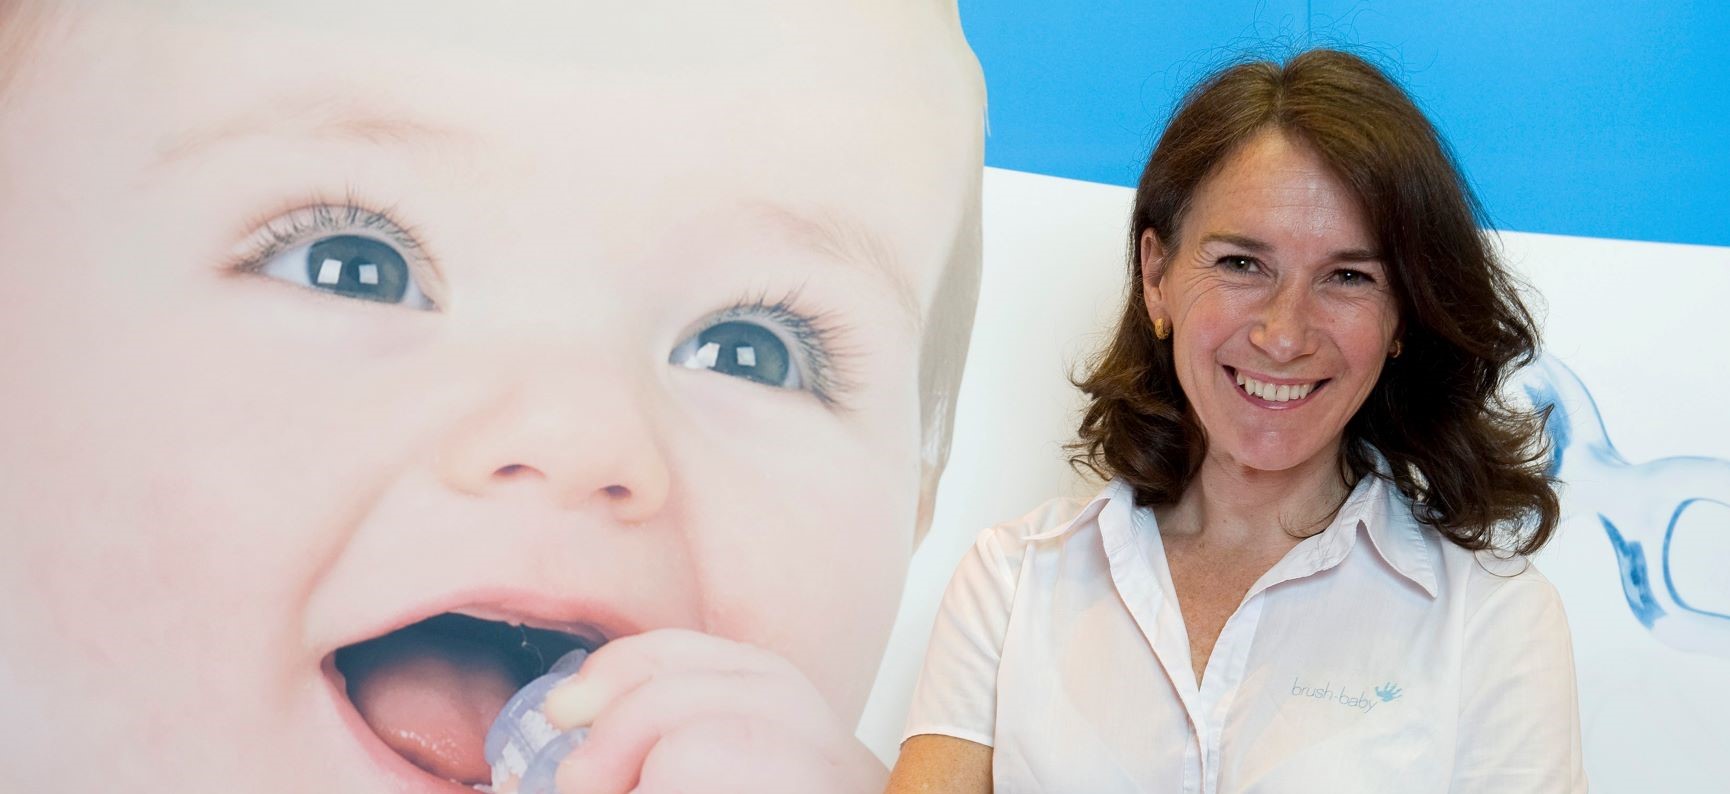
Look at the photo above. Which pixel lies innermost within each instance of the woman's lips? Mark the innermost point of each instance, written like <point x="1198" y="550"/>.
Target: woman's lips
<point x="1274" y="393"/>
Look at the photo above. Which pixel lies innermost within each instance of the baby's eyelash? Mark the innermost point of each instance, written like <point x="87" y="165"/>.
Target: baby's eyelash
<point x="284" y="230"/>
<point x="819" y="335"/>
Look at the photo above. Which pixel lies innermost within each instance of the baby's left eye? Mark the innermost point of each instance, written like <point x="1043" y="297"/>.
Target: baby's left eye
<point x="741" y="348"/>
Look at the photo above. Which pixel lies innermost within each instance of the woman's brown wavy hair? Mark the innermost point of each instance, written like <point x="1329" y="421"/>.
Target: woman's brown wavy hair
<point x="1472" y="465"/>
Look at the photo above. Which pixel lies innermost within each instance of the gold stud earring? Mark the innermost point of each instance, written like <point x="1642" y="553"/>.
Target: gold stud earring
<point x="1394" y="352"/>
<point x="1159" y="331"/>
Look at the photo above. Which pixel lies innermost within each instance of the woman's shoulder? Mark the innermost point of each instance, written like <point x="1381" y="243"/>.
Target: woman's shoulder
<point x="1051" y="520"/>
<point x="1479" y="577"/>
<point x="1493" y="585"/>
<point x="1049" y="524"/>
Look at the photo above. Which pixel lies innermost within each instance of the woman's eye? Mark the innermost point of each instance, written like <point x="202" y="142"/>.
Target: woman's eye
<point x="351" y="266"/>
<point x="743" y="349"/>
<point x="1238" y="264"/>
<point x="1353" y="277"/>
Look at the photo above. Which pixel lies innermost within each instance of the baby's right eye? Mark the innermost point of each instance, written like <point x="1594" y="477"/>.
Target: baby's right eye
<point x="344" y="251"/>
<point x="350" y="266"/>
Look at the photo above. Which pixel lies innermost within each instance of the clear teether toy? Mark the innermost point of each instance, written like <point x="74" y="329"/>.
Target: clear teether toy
<point x="522" y="746"/>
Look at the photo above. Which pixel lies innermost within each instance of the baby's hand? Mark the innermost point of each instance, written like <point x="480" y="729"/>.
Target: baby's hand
<point x="677" y="710"/>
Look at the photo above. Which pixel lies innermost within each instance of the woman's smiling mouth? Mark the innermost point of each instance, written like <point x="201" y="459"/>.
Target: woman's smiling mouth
<point x="1273" y="393"/>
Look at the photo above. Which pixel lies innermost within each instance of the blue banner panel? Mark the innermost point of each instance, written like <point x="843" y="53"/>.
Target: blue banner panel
<point x="1608" y="119"/>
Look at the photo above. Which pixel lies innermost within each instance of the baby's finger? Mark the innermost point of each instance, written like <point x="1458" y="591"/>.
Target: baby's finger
<point x="627" y="663"/>
<point x="739" y="754"/>
<point x="628" y="730"/>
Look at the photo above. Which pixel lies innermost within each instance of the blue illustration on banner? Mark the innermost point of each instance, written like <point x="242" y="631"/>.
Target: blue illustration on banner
<point x="1387" y="691"/>
<point x="1637" y="504"/>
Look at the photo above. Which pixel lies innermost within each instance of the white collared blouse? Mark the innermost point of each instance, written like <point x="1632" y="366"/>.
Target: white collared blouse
<point x="1400" y="664"/>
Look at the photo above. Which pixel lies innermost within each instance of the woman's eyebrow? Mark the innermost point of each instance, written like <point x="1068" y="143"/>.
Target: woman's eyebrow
<point x="847" y="241"/>
<point x="311" y="116"/>
<point x="1242" y="241"/>
<point x="1257" y="246"/>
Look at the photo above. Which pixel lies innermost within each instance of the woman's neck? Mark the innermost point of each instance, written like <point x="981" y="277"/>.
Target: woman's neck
<point x="1229" y="503"/>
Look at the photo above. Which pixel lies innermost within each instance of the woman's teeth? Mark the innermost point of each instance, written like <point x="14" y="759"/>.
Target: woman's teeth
<point x="1278" y="393"/>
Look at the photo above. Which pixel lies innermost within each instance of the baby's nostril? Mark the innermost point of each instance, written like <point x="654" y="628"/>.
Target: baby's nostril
<point x="618" y="491"/>
<point x="515" y="470"/>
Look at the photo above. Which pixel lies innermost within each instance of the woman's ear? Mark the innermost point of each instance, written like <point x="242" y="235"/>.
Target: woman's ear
<point x="1153" y="260"/>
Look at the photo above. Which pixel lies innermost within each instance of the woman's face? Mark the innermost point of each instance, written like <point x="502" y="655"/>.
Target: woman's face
<point x="1279" y="306"/>
<point x="319" y="322"/>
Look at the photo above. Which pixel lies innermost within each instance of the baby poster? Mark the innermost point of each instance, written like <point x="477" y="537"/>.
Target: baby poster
<point x="365" y="363"/>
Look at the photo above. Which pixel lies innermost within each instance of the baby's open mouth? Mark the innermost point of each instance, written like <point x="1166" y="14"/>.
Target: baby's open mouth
<point x="430" y="690"/>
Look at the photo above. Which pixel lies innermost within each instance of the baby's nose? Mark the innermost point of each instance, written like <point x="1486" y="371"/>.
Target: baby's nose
<point x="539" y="441"/>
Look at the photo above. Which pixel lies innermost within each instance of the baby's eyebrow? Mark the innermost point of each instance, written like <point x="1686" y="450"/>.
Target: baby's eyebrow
<point x="311" y="115"/>
<point x="844" y="239"/>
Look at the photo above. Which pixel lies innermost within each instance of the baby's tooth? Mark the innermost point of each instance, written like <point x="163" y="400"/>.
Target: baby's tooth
<point x="543" y="770"/>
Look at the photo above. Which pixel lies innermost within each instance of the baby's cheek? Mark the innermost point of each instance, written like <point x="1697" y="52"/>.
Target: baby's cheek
<point x="825" y="579"/>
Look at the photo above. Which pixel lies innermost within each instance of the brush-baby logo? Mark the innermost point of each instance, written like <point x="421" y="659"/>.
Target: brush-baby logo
<point x="1363" y="701"/>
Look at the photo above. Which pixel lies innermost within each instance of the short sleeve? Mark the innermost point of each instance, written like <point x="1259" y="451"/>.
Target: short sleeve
<point x="957" y="690"/>
<point x="1519" y="727"/>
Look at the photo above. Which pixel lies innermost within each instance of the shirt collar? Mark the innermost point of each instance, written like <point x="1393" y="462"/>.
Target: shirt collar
<point x="1378" y="508"/>
<point x="1094" y="506"/>
<point x="1374" y="506"/>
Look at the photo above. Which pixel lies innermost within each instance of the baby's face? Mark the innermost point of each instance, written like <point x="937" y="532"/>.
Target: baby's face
<point x="321" y="321"/>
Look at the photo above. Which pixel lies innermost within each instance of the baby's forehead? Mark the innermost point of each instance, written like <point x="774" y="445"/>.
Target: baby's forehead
<point x="551" y="32"/>
<point x="829" y="122"/>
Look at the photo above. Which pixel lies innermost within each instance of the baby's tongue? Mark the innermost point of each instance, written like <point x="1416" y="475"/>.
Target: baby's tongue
<point x="431" y="699"/>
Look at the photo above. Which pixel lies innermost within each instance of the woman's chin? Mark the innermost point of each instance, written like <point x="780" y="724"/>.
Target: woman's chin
<point x="1277" y="454"/>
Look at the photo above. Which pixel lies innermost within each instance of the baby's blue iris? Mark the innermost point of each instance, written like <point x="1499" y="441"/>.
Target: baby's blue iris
<point x="745" y="350"/>
<point x="357" y="267"/>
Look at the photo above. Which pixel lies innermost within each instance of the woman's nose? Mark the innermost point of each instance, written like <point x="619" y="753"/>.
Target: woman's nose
<point x="1283" y="331"/>
<point x="563" y="439"/>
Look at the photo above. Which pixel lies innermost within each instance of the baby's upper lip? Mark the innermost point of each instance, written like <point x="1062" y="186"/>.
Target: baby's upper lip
<point x="588" y="619"/>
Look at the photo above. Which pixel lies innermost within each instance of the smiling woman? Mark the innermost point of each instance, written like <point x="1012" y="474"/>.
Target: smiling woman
<point x="365" y="365"/>
<point x="1280" y="588"/>
<point x="1467" y="460"/>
